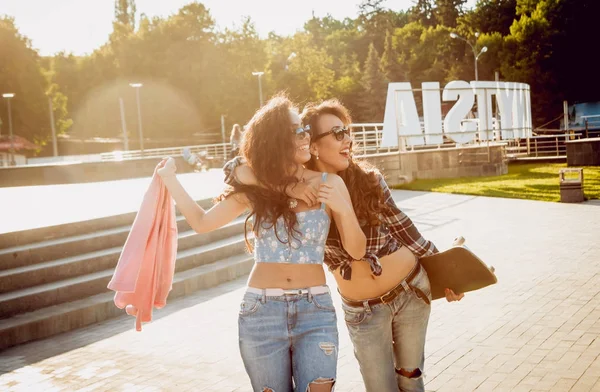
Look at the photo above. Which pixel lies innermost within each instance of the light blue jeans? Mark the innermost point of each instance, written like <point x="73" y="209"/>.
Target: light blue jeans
<point x="288" y="342"/>
<point x="389" y="339"/>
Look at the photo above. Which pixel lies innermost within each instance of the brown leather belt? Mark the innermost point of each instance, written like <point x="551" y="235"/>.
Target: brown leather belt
<point x="393" y="293"/>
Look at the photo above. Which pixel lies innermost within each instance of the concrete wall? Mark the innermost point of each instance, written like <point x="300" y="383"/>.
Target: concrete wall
<point x="583" y="152"/>
<point x="472" y="161"/>
<point x="84" y="172"/>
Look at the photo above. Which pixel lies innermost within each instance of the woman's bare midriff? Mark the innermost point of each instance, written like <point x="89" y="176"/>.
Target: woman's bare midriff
<point x="286" y="276"/>
<point x="365" y="285"/>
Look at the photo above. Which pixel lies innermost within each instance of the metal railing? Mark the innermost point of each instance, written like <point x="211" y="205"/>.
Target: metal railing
<point x="217" y="150"/>
<point x="541" y="146"/>
<point x="367" y="141"/>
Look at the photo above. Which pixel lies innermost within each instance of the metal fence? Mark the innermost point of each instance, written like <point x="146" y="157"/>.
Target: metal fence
<point x="217" y="150"/>
<point x="367" y="141"/>
<point x="367" y="138"/>
<point x="540" y="146"/>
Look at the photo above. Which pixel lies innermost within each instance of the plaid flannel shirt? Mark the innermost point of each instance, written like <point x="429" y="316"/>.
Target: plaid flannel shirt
<point x="396" y="230"/>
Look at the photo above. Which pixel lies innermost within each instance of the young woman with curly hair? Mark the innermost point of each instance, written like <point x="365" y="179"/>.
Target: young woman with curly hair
<point x="287" y="324"/>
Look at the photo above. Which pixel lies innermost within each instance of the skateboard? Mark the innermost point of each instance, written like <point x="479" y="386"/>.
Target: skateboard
<point x="458" y="269"/>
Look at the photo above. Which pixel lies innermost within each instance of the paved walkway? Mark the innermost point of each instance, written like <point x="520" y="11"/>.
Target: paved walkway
<point x="536" y="330"/>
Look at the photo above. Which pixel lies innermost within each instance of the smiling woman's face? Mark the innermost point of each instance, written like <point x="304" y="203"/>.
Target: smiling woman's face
<point x="302" y="140"/>
<point x="333" y="154"/>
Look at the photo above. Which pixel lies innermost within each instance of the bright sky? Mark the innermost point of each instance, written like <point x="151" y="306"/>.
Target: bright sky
<point x="80" y="26"/>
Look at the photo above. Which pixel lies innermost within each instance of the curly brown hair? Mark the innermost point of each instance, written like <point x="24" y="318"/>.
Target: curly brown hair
<point x="269" y="148"/>
<point x="361" y="177"/>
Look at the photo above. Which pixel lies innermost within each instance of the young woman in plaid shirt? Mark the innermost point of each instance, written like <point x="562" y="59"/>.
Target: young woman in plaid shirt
<point x="386" y="295"/>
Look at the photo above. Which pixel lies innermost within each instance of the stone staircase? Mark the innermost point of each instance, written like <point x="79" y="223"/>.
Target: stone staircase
<point x="53" y="279"/>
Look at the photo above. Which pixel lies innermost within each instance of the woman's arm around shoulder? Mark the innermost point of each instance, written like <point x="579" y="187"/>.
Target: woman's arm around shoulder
<point x="335" y="195"/>
<point x="237" y="171"/>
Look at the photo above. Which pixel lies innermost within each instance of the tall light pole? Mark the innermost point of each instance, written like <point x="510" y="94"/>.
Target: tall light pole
<point x="259" y="74"/>
<point x="475" y="54"/>
<point x="8" y="96"/>
<point x="137" y="87"/>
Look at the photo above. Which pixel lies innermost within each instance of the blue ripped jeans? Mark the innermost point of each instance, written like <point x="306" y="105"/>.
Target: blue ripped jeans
<point x="288" y="342"/>
<point x="389" y="339"/>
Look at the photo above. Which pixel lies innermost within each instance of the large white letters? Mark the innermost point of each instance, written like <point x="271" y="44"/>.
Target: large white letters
<point x="453" y="125"/>
<point x="402" y="123"/>
<point x="432" y="113"/>
<point x="401" y="116"/>
<point x="505" y="96"/>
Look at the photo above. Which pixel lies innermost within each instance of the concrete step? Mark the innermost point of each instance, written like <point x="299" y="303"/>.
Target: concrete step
<point x="98" y="260"/>
<point x="56" y="319"/>
<point x="61" y="291"/>
<point x="25" y="255"/>
<point x="32" y="236"/>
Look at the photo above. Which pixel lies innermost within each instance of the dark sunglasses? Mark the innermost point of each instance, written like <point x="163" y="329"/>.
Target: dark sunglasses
<point x="337" y="131"/>
<point x="302" y="133"/>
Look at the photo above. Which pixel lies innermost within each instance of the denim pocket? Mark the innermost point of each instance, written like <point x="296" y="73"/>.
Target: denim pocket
<point x="249" y="305"/>
<point x="324" y="302"/>
<point x="354" y="316"/>
<point x="421" y="283"/>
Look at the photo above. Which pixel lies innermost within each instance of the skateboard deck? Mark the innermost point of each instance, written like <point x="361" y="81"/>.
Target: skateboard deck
<point x="458" y="269"/>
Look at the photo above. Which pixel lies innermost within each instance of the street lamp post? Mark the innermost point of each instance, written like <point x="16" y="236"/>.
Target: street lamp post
<point x="10" y="129"/>
<point x="475" y="54"/>
<point x="259" y="74"/>
<point x="137" y="87"/>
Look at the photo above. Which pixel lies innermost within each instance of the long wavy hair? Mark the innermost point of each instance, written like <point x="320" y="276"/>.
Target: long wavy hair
<point x="361" y="177"/>
<point x="269" y="148"/>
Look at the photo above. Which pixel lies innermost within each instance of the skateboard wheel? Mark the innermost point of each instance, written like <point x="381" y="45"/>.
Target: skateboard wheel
<point x="458" y="241"/>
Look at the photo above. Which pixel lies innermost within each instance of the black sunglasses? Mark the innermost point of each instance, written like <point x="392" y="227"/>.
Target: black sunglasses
<point x="302" y="133"/>
<point x="337" y="131"/>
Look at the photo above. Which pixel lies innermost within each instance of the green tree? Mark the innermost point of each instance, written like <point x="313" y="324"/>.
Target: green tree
<point x="389" y="60"/>
<point x="347" y="87"/>
<point x="491" y="16"/>
<point x="62" y="122"/>
<point x="447" y="12"/>
<point x="309" y="75"/>
<point x="542" y="48"/>
<point x="423" y="12"/>
<point x="374" y="86"/>
<point x="241" y="53"/>
<point x="23" y="76"/>
<point x="125" y="13"/>
<point x="192" y="73"/>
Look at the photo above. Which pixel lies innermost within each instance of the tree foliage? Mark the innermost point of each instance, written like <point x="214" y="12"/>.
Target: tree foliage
<point x="192" y="73"/>
<point x="21" y="74"/>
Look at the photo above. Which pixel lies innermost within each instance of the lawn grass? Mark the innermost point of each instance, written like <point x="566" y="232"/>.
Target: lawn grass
<point x="533" y="181"/>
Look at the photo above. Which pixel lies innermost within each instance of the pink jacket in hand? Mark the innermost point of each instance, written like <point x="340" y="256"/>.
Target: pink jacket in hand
<point x="144" y="275"/>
